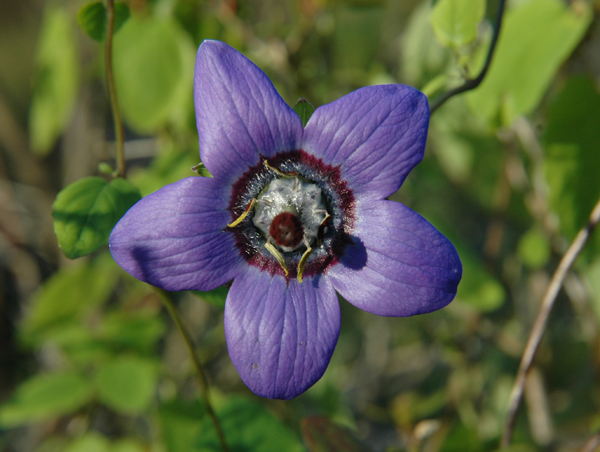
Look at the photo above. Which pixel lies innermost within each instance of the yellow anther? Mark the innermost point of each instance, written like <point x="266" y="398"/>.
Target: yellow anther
<point x="321" y="229"/>
<point x="241" y="218"/>
<point x="277" y="255"/>
<point x="278" y="172"/>
<point x="303" y="260"/>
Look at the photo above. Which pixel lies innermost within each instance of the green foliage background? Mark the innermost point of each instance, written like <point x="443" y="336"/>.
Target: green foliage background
<point x="90" y="362"/>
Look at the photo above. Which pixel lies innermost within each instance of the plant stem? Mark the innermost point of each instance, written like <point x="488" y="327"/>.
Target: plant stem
<point x="112" y="91"/>
<point x="474" y="83"/>
<point x="167" y="299"/>
<point x="539" y="327"/>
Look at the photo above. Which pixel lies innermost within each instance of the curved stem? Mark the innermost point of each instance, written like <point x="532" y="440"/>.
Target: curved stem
<point x="474" y="83"/>
<point x="537" y="331"/>
<point x="167" y="299"/>
<point x="112" y="91"/>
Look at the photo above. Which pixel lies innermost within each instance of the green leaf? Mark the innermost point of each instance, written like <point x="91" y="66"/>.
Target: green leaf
<point x="216" y="297"/>
<point x="93" y="21"/>
<point x="248" y="425"/>
<point x="139" y="329"/>
<point x="154" y="67"/>
<point x="65" y="297"/>
<point x="478" y="288"/>
<point x="90" y="442"/>
<point x="536" y="38"/>
<point x="534" y="249"/>
<point x="127" y="384"/>
<point x="572" y="166"/>
<point x="86" y="211"/>
<point x="56" y="82"/>
<point x="304" y="109"/>
<point x="45" y="396"/>
<point x="455" y="21"/>
<point x="180" y="422"/>
<point x="322" y="435"/>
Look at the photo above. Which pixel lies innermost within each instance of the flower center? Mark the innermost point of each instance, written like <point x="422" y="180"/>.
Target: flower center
<point x="289" y="211"/>
<point x="286" y="230"/>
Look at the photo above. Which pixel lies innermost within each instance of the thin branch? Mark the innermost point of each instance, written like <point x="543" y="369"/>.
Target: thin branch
<point x="537" y="332"/>
<point x="475" y="82"/>
<point x="112" y="91"/>
<point x="167" y="299"/>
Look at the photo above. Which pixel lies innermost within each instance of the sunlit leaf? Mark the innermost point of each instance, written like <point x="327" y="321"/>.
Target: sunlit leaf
<point x="127" y="384"/>
<point x="86" y="211"/>
<point x="478" y="288"/>
<point x="45" y="396"/>
<point x="455" y="21"/>
<point x="56" y="82"/>
<point x="536" y="38"/>
<point x="534" y="249"/>
<point x="90" y="442"/>
<point x="154" y="66"/>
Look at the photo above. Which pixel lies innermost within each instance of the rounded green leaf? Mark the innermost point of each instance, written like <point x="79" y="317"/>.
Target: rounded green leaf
<point x="455" y="21"/>
<point x="154" y="67"/>
<point x="534" y="249"/>
<point x="127" y="384"/>
<point x="86" y="211"/>
<point x="56" y="82"/>
<point x="90" y="442"/>
<point x="45" y="396"/>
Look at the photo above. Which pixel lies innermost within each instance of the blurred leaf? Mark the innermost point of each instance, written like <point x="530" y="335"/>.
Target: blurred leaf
<point x="537" y="36"/>
<point x="137" y="329"/>
<point x="322" y="435"/>
<point x="180" y="422"/>
<point x="92" y="19"/>
<point x="56" y="82"/>
<point x="455" y="21"/>
<point x="90" y="442"/>
<point x="423" y="57"/>
<point x="45" y="396"/>
<point x="128" y="445"/>
<point x="534" y="249"/>
<point x="248" y="426"/>
<point x="304" y="109"/>
<point x="154" y="67"/>
<point x="86" y="211"/>
<point x="478" y="288"/>
<point x="127" y="384"/>
<point x="216" y="297"/>
<point x="572" y="167"/>
<point x="66" y="296"/>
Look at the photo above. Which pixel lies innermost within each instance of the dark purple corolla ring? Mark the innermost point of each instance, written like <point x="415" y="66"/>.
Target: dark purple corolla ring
<point x="292" y="215"/>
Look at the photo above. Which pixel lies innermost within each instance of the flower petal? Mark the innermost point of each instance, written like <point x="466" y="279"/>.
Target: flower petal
<point x="175" y="238"/>
<point x="281" y="337"/>
<point x="239" y="113"/>
<point x="399" y="264"/>
<point x="377" y="134"/>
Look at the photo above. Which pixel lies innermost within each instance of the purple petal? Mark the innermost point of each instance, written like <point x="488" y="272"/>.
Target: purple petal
<point x="281" y="337"/>
<point x="239" y="113"/>
<point x="377" y="134"/>
<point x="175" y="238"/>
<point x="399" y="264"/>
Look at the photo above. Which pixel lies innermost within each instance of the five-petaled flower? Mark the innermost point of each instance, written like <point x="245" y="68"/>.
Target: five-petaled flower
<point x="292" y="215"/>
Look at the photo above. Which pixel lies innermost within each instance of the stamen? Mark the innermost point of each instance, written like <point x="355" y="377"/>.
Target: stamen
<point x="241" y="218"/>
<point x="276" y="254"/>
<point x="321" y="230"/>
<point x="303" y="259"/>
<point x="278" y="172"/>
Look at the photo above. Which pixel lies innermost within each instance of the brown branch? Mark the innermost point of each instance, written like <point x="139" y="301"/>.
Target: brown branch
<point x="471" y="84"/>
<point x="167" y="299"/>
<point x="592" y="444"/>
<point x="537" y="331"/>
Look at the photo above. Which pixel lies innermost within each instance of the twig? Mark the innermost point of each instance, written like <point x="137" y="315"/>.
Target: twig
<point x="475" y="82"/>
<point x="112" y="91"/>
<point x="535" y="337"/>
<point x="592" y="443"/>
<point x="167" y="299"/>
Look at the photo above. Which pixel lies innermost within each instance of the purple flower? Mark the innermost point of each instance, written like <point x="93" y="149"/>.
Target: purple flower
<point x="292" y="215"/>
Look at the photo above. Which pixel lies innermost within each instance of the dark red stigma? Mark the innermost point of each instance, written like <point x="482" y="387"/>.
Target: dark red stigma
<point x="286" y="230"/>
